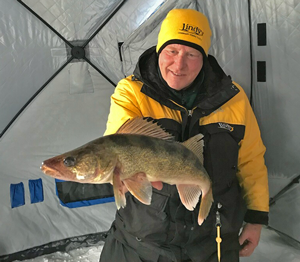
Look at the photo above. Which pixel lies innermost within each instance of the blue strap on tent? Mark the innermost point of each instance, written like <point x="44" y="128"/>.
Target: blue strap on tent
<point x="36" y="190"/>
<point x="17" y="195"/>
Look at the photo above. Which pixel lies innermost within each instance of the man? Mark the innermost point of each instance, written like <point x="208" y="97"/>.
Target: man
<point x="178" y="84"/>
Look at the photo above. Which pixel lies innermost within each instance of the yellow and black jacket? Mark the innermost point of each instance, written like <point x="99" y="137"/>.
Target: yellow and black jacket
<point x="233" y="157"/>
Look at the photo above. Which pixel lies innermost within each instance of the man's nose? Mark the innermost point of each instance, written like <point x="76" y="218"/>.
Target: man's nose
<point x="179" y="62"/>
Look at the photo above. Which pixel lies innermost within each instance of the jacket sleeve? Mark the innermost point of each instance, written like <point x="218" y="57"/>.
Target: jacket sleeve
<point x="252" y="171"/>
<point x="124" y="105"/>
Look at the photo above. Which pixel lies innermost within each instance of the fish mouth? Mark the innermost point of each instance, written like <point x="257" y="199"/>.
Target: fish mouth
<point x="50" y="171"/>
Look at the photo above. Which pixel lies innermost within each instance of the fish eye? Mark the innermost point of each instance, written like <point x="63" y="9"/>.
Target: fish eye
<point x="69" y="161"/>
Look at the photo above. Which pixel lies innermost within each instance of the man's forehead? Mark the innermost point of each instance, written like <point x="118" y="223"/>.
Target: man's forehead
<point x="182" y="47"/>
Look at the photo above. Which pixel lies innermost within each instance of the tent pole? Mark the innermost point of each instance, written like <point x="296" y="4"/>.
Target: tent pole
<point x="46" y="23"/>
<point x="32" y="98"/>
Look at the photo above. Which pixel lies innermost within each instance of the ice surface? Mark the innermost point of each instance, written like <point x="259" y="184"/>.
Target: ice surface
<point x="272" y="248"/>
<point x="84" y="254"/>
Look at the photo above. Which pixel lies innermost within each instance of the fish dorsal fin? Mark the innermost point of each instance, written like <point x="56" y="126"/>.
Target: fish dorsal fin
<point x="196" y="144"/>
<point x="141" y="126"/>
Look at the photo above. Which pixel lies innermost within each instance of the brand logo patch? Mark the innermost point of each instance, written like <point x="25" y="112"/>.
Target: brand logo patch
<point x="192" y="29"/>
<point x="225" y="126"/>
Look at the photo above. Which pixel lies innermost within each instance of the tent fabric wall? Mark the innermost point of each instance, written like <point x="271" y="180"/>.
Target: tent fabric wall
<point x="276" y="104"/>
<point x="230" y="38"/>
<point x="25" y="58"/>
<point x="72" y="109"/>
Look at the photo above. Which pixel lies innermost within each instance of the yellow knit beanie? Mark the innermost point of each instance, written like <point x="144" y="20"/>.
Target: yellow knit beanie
<point x="185" y="26"/>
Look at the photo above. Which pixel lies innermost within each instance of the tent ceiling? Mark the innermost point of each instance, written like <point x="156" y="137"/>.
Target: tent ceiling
<point x="56" y="26"/>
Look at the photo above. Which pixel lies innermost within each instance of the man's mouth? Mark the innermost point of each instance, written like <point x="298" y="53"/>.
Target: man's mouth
<point x="176" y="74"/>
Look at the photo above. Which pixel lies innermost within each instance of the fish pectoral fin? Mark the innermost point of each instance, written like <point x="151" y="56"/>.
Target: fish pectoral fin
<point x="119" y="191"/>
<point x="140" y="187"/>
<point x="189" y="195"/>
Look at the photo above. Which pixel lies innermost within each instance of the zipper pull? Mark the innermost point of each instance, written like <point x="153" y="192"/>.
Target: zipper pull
<point x="218" y="227"/>
<point x="190" y="112"/>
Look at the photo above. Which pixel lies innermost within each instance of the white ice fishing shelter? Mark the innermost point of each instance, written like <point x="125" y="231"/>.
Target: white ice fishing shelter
<point x="59" y="63"/>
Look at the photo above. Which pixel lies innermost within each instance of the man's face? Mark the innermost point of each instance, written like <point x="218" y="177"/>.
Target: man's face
<point x="179" y="65"/>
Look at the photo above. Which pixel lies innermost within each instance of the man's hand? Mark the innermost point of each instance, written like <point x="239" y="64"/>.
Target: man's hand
<point x="157" y="184"/>
<point x="249" y="239"/>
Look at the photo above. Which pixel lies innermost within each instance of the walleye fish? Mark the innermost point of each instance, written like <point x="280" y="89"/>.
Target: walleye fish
<point x="139" y="153"/>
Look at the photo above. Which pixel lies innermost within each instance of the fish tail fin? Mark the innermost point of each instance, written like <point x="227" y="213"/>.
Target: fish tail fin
<point x="205" y="205"/>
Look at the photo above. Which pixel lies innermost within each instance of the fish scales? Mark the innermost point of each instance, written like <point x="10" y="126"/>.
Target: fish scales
<point x="158" y="158"/>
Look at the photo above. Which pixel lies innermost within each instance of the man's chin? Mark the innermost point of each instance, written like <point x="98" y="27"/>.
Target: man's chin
<point x="176" y="86"/>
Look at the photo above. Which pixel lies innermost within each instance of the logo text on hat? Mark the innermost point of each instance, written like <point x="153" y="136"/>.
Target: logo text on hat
<point x="194" y="29"/>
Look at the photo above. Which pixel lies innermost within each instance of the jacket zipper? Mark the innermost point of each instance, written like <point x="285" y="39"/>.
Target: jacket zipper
<point x="188" y="120"/>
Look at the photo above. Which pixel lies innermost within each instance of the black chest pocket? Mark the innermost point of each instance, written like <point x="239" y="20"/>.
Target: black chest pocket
<point x="221" y="153"/>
